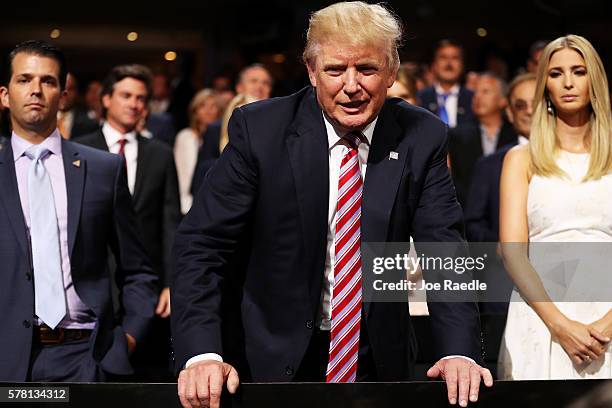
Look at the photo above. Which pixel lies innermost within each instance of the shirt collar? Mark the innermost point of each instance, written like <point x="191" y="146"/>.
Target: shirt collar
<point x="334" y="136"/>
<point x="453" y="91"/>
<point x="113" y="136"/>
<point x="53" y="142"/>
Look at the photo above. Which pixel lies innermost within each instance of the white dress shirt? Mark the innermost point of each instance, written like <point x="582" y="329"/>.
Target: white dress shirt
<point x="452" y="103"/>
<point x="130" y="151"/>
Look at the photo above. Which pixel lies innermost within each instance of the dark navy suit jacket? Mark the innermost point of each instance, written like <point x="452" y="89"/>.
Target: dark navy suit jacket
<point x="100" y="215"/>
<point x="264" y="206"/>
<point x="482" y="208"/>
<point x="207" y="155"/>
<point x="429" y="100"/>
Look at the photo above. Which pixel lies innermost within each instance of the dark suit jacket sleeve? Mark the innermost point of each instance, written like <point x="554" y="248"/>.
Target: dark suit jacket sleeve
<point x="478" y="227"/>
<point x="205" y="241"/>
<point x="134" y="275"/>
<point x="438" y="218"/>
<point x="172" y="215"/>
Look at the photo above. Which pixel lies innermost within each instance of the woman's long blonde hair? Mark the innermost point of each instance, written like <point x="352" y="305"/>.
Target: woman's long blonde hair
<point x="543" y="141"/>
<point x="237" y="102"/>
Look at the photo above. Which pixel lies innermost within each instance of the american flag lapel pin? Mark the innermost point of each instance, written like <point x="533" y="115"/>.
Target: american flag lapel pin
<point x="393" y="156"/>
<point x="76" y="163"/>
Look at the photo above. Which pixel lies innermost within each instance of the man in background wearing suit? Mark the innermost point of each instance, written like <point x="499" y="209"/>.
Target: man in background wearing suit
<point x="482" y="210"/>
<point x="73" y="120"/>
<point x="151" y="174"/>
<point x="447" y="98"/>
<point x="468" y="142"/>
<point x="62" y="205"/>
<point x="285" y="210"/>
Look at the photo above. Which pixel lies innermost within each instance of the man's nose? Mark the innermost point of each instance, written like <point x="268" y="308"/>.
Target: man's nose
<point x="35" y="87"/>
<point x="351" y="81"/>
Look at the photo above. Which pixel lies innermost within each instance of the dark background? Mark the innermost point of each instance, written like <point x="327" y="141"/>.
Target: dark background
<point x="212" y="37"/>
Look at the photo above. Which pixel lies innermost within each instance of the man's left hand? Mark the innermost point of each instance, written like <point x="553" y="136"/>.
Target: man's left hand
<point x="462" y="374"/>
<point x="163" y="304"/>
<point x="131" y="343"/>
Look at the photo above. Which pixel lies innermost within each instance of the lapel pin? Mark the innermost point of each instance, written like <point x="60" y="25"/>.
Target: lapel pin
<point x="76" y="163"/>
<point x="393" y="156"/>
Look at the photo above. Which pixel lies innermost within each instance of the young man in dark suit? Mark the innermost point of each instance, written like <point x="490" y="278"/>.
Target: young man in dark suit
<point x="62" y="205"/>
<point x="151" y="174"/>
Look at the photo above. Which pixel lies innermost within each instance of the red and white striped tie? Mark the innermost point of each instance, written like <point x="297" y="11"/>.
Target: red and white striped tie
<point x="346" y="296"/>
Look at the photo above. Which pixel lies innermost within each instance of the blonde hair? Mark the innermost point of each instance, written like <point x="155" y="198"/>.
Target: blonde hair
<point x="238" y="101"/>
<point x="544" y="145"/>
<point x="198" y="100"/>
<point x="357" y="22"/>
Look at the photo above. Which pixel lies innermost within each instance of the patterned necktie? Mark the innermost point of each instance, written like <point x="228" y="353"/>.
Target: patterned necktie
<point x="49" y="295"/>
<point x="442" y="112"/>
<point x="346" y="296"/>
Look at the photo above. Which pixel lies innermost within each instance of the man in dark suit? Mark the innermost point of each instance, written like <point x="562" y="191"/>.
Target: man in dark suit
<point x="73" y="120"/>
<point x="447" y="98"/>
<point x="61" y="206"/>
<point x="469" y="142"/>
<point x="482" y="210"/>
<point x="151" y="172"/>
<point x="278" y="208"/>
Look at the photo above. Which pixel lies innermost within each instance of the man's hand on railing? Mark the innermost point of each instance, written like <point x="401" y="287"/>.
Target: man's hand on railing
<point x="200" y="384"/>
<point x="464" y="374"/>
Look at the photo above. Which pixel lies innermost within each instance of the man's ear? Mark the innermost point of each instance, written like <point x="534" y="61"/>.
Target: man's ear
<point x="509" y="114"/>
<point x="4" y="97"/>
<point x="503" y="103"/>
<point x="392" y="77"/>
<point x="106" y="101"/>
<point x="312" y="74"/>
<point x="63" y="98"/>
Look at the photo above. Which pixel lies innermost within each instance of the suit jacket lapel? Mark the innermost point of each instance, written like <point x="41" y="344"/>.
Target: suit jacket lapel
<point x="143" y="161"/>
<point x="382" y="179"/>
<point x="9" y="195"/>
<point x="100" y="142"/>
<point x="75" y="168"/>
<point x="309" y="158"/>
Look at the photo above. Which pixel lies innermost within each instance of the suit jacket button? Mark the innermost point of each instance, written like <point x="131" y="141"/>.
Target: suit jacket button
<point x="309" y="324"/>
<point x="27" y="324"/>
<point x="289" y="370"/>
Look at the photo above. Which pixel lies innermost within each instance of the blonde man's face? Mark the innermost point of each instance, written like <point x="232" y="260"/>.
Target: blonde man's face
<point x="351" y="82"/>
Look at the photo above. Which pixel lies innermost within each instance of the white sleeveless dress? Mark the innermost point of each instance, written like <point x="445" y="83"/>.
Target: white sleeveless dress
<point x="559" y="210"/>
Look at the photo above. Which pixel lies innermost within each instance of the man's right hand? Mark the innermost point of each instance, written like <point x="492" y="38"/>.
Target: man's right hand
<point x="200" y="384"/>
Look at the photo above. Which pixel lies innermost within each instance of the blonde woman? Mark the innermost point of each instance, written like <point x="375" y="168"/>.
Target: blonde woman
<point x="558" y="188"/>
<point x="238" y="101"/>
<point x="203" y="110"/>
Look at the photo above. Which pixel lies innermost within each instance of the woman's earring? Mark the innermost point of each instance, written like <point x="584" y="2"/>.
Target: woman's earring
<point x="549" y="107"/>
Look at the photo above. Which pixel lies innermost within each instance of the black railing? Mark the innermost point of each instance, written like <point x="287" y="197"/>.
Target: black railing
<point x="524" y="394"/>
